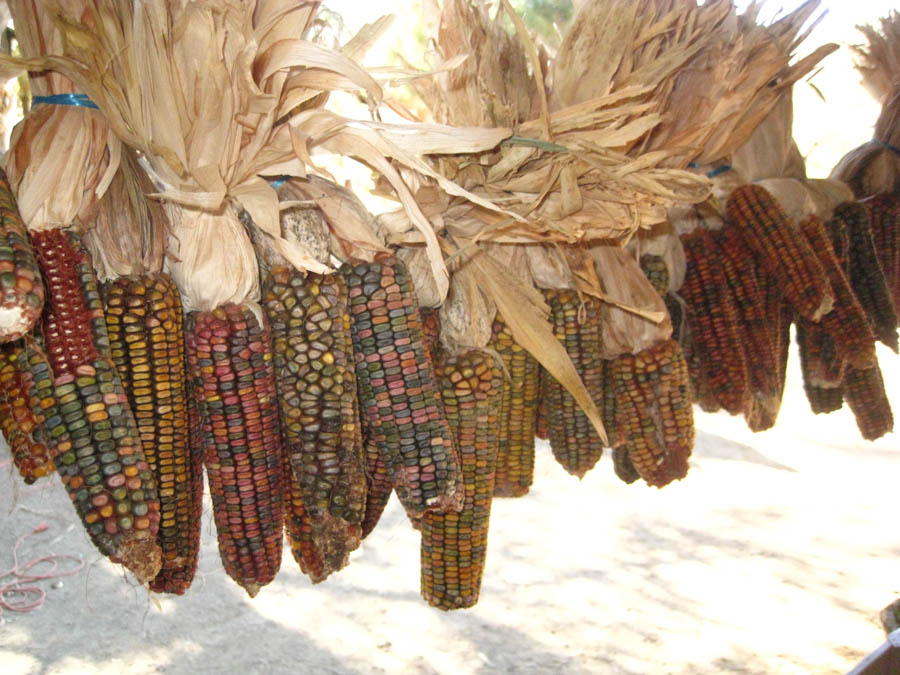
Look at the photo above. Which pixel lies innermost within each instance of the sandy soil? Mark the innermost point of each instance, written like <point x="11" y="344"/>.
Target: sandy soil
<point x="774" y="555"/>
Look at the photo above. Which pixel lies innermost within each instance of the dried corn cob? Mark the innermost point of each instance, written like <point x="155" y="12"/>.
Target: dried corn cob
<point x="607" y="401"/>
<point x="656" y="271"/>
<point x="884" y="216"/>
<point x="823" y="400"/>
<point x="865" y="395"/>
<point x="316" y="380"/>
<point x="846" y="323"/>
<point x="21" y="287"/>
<point x="105" y="471"/>
<point x="717" y="352"/>
<point x="401" y="411"/>
<point x="866" y="276"/>
<point x="21" y="421"/>
<point x="454" y="545"/>
<point x="518" y="409"/>
<point x="144" y="320"/>
<point x="754" y="331"/>
<point x="541" y="422"/>
<point x="654" y="417"/>
<point x="780" y="250"/>
<point x="230" y="357"/>
<point x="431" y="330"/>
<point x="573" y="439"/>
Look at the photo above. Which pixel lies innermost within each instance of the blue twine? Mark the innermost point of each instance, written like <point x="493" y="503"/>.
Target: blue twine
<point x="719" y="170"/>
<point x="278" y="182"/>
<point x="79" y="100"/>
<point x="885" y="144"/>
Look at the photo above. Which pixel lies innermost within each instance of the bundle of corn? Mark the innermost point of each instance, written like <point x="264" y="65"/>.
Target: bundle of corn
<point x="20" y="279"/>
<point x="144" y="320"/>
<point x="884" y="217"/>
<point x="454" y="545"/>
<point x="874" y="167"/>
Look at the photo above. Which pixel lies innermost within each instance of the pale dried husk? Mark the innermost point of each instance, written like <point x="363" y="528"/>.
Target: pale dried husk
<point x="128" y="234"/>
<point x="873" y="168"/>
<point x="548" y="267"/>
<point x="771" y="152"/>
<point x="879" y="61"/>
<point x="634" y="316"/>
<point x="792" y="195"/>
<point x="686" y="219"/>
<point x="827" y="194"/>
<point x="467" y="315"/>
<point x="420" y="272"/>
<point x="662" y="240"/>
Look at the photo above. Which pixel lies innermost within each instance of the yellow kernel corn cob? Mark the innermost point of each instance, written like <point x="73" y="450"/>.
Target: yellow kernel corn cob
<point x="144" y="321"/>
<point x="754" y="331"/>
<point x="573" y="439"/>
<point x="780" y="250"/>
<point x="654" y="414"/>
<point x="230" y="360"/>
<point x="884" y="216"/>
<point x="714" y="323"/>
<point x="21" y="286"/>
<point x="518" y="411"/>
<point x="400" y="409"/>
<point x="454" y="545"/>
<point x="105" y="471"/>
<point x="866" y="276"/>
<point x="316" y="379"/>
<point x="865" y="395"/>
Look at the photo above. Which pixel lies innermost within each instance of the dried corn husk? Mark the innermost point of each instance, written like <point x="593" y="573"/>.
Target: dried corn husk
<point x="771" y="152"/>
<point x="662" y="240"/>
<point x="879" y="61"/>
<point x="792" y="195"/>
<point x="467" y="313"/>
<point x="827" y="194"/>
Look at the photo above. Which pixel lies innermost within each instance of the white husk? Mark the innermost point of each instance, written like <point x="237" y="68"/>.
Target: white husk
<point x="792" y="196"/>
<point x="827" y="193"/>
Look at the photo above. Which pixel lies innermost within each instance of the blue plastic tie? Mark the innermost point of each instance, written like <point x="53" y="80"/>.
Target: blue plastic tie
<point x="718" y="171"/>
<point x="885" y="144"/>
<point x="79" y="100"/>
<point x="278" y="182"/>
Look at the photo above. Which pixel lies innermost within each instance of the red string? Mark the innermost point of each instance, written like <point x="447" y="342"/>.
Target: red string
<point x="30" y="596"/>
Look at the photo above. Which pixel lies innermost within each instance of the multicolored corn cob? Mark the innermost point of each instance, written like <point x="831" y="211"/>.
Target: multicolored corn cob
<point x="105" y="471"/>
<point x="23" y="412"/>
<point x="379" y="485"/>
<point x="230" y="359"/>
<point x="865" y="395"/>
<point x="657" y="272"/>
<point x="316" y="379"/>
<point x="144" y="320"/>
<point x="754" y="330"/>
<point x="21" y="286"/>
<point x="866" y="276"/>
<point x="400" y="408"/>
<point x="518" y="412"/>
<point x="454" y="545"/>
<point x="654" y="414"/>
<point x="573" y="439"/>
<point x="884" y="216"/>
<point x="780" y="250"/>
<point x="541" y="422"/>
<point x="717" y="351"/>
<point x="431" y="329"/>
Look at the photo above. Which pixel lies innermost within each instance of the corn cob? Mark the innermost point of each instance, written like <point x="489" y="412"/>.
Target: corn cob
<point x="864" y="392"/>
<point x="754" y="331"/>
<point x="541" y="421"/>
<point x="454" y="545"/>
<point x="780" y="249"/>
<point x="316" y="380"/>
<point x="656" y="271"/>
<point x="105" y="471"/>
<point x="866" y="276"/>
<point x="21" y="287"/>
<point x="623" y="466"/>
<point x="21" y="415"/>
<point x="144" y="321"/>
<point x="515" y="458"/>
<point x="824" y="400"/>
<point x="654" y="417"/>
<point x="573" y="439"/>
<point x="607" y="400"/>
<point x="431" y="330"/>
<point x="884" y="216"/>
<point x="716" y="350"/>
<point x="400" y="409"/>
<point x="230" y="358"/>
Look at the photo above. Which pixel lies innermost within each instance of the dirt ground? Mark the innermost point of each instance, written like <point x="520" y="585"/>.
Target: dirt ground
<point x="774" y="555"/>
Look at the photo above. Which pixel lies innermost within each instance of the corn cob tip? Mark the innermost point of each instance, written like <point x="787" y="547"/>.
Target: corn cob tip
<point x="142" y="556"/>
<point x="508" y="490"/>
<point x="252" y="590"/>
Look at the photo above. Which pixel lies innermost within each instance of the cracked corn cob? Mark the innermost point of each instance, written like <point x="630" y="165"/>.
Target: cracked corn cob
<point x="21" y="286"/>
<point x="144" y="321"/>
<point x="314" y="372"/>
<point x="454" y="545"/>
<point x="780" y="250"/>
<point x="105" y="471"/>
<point x="866" y="275"/>
<point x="654" y="414"/>
<point x="518" y="409"/>
<point x="230" y="358"/>
<point x="400" y="408"/>
<point x="717" y="351"/>
<point x="573" y="439"/>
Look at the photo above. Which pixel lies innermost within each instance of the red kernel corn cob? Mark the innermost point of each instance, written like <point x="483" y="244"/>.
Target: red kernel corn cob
<point x="230" y="357"/>
<point x="866" y="397"/>
<point x="21" y="286"/>
<point x="884" y="216"/>
<point x="780" y="250"/>
<point x="518" y="412"/>
<point x="454" y="545"/>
